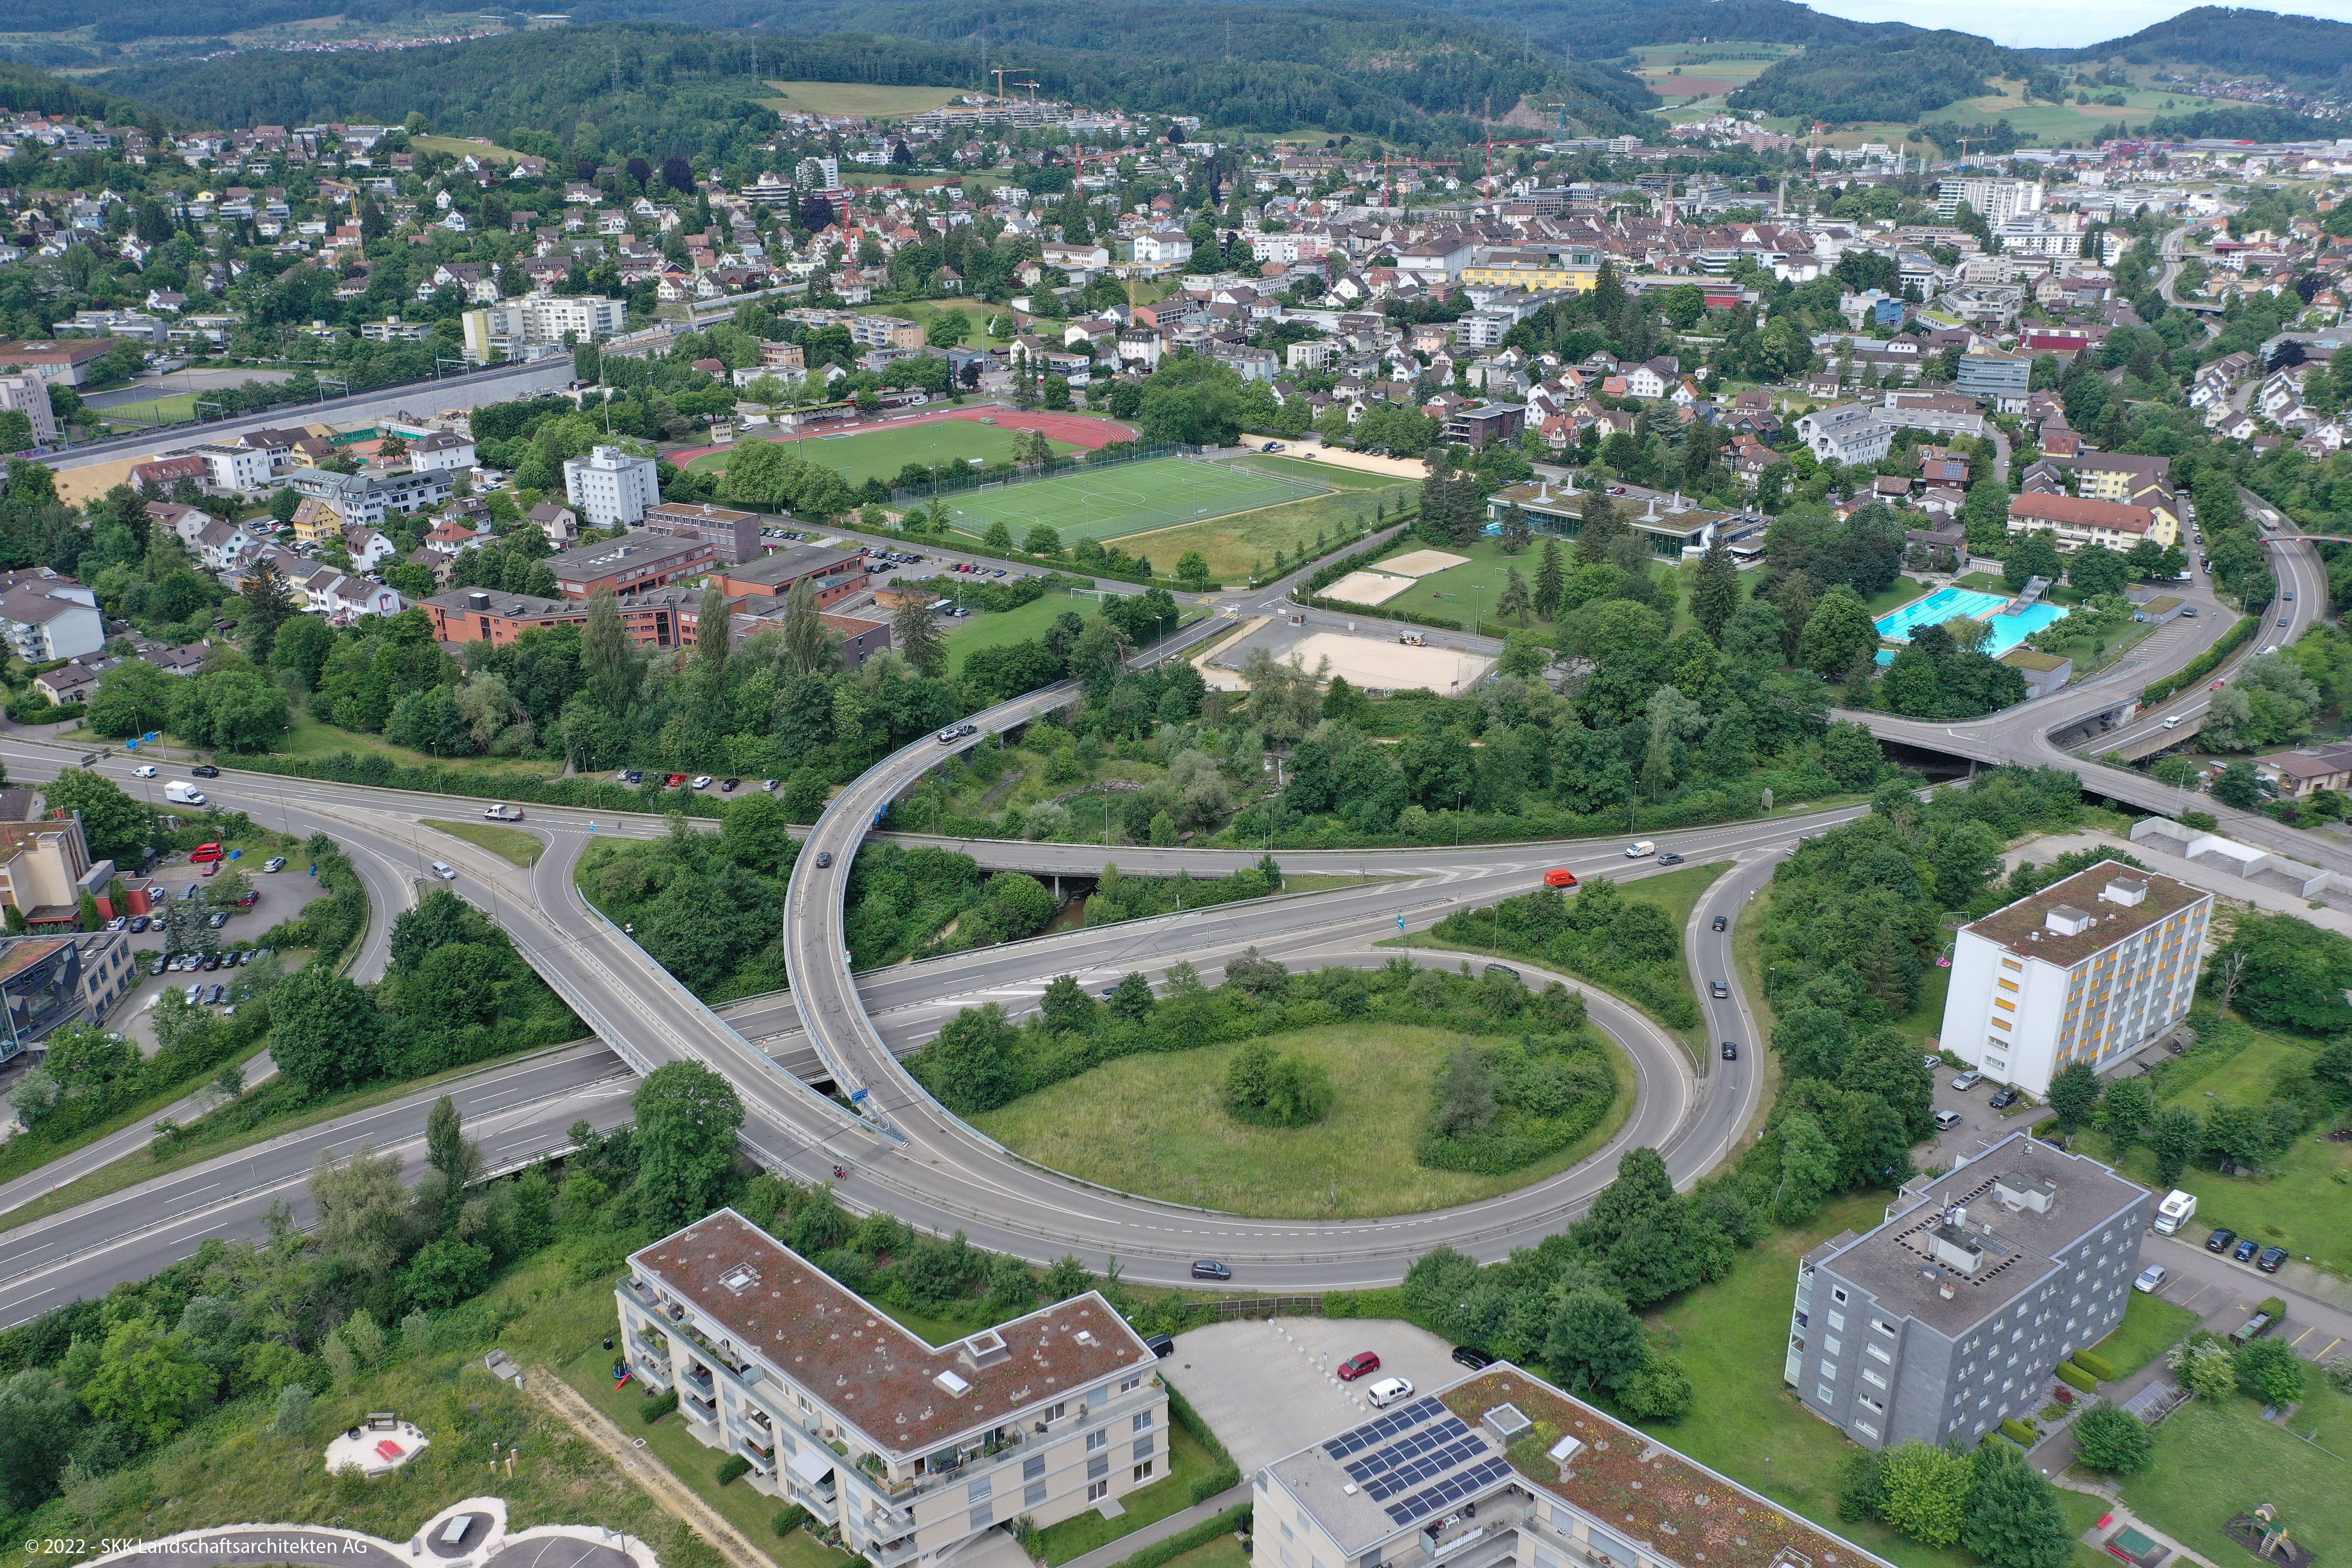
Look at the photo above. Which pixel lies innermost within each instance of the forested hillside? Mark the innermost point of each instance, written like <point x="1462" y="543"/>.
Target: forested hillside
<point x="1602" y="29"/>
<point x="2234" y="39"/>
<point x="1896" y="79"/>
<point x="1395" y="74"/>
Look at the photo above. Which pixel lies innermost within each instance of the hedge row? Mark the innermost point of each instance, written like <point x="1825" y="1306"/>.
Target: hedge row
<point x="379" y="772"/>
<point x="330" y="926"/>
<point x="1226" y="1473"/>
<point x="2097" y="1365"/>
<point x="2075" y="1377"/>
<point x="1184" y="1540"/>
<point x="2205" y="663"/>
<point x="2020" y="1433"/>
<point x="1378" y="612"/>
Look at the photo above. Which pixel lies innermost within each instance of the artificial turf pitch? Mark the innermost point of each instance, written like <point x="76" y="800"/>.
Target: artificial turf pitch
<point x="1132" y="498"/>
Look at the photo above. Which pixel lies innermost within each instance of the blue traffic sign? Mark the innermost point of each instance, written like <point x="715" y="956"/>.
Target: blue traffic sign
<point x="857" y="1095"/>
<point x="1400" y="922"/>
<point x="129" y="745"/>
<point x="151" y="735"/>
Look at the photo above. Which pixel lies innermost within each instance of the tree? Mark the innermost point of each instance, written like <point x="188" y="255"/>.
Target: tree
<point x="2074" y="1094"/>
<point x="686" y="1119"/>
<point x="1714" y="594"/>
<point x="363" y="1209"/>
<point x="445" y="1272"/>
<point x="2113" y="1439"/>
<point x="808" y="646"/>
<point x="39" y="1420"/>
<point x="131" y="699"/>
<point x="455" y="1158"/>
<point x="324" y="1033"/>
<point x="1594" y="1345"/>
<point x="116" y="824"/>
<point x="2033" y="555"/>
<point x="2125" y="1110"/>
<point x="1926" y="1492"/>
<point x="2014" y="1520"/>
<point x="1192" y="570"/>
<point x="1550" y="582"/>
<point x="2238" y="784"/>
<point x="2095" y="569"/>
<point x="1838" y="634"/>
<point x="2204" y="1365"/>
<point x="607" y="656"/>
<point x="2269" y="1371"/>
<point x="1809" y="1170"/>
<point x="915" y="633"/>
<point x="2178" y="1136"/>
<point x="147" y="1380"/>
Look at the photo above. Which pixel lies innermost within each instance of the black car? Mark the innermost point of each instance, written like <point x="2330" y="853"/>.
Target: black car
<point x="1505" y="970"/>
<point x="2220" y="1240"/>
<point x="728" y="786"/>
<point x="1730" y="1051"/>
<point x="2245" y="1249"/>
<point x="2006" y="1096"/>
<point x="2271" y="1258"/>
<point x="823" y="858"/>
<point x="1160" y="1345"/>
<point x="1472" y="1359"/>
<point x="1723" y="922"/>
<point x="1209" y="1268"/>
<point x="205" y="771"/>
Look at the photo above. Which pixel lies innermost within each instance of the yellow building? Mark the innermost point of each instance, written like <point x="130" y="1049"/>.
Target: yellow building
<point x="1577" y="269"/>
<point x="316" y="522"/>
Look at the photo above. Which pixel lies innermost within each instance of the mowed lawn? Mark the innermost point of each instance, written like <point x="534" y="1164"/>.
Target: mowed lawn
<point x="1127" y="497"/>
<point x="880" y="454"/>
<point x="1242" y="543"/>
<point x="2151" y="1326"/>
<point x="874" y="101"/>
<point x="1156" y="1125"/>
<point x="1468" y="591"/>
<point x="986" y="628"/>
<point x="2214" y="1461"/>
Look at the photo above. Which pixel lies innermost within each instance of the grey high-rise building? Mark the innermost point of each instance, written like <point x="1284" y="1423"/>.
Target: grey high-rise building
<point x="1954" y="1313"/>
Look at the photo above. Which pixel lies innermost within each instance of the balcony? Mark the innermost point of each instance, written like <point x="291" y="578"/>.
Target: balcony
<point x="698" y="1377"/>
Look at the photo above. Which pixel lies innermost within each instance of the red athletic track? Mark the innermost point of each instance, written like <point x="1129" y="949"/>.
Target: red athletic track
<point x="1074" y="428"/>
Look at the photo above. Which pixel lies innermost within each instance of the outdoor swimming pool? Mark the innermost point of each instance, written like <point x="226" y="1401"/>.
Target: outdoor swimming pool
<point x="1951" y="604"/>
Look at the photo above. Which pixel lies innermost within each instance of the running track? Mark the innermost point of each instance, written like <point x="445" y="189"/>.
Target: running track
<point x="1075" y="428"/>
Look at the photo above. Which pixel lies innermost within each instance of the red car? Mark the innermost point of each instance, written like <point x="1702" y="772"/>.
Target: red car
<point x="2218" y="685"/>
<point x="1359" y="1365"/>
<point x="674" y="781"/>
<point x="1560" y="876"/>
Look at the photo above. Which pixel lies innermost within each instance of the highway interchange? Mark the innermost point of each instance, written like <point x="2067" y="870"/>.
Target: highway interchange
<point x="907" y="1153"/>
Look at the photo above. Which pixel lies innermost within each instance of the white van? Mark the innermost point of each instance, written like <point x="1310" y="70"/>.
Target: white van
<point x="1636" y="851"/>
<point x="180" y="793"/>
<point x="2173" y="722"/>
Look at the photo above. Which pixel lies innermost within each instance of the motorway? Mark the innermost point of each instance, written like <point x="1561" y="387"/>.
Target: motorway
<point x="905" y="1152"/>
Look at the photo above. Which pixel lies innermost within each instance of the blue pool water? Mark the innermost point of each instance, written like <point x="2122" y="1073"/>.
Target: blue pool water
<point x="1950" y="604"/>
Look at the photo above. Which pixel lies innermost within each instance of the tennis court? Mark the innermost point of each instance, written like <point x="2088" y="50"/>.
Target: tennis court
<point x="1130" y="498"/>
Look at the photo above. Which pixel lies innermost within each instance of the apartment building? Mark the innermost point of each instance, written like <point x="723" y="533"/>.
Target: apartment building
<point x="1460" y="1476"/>
<point x="836" y="574"/>
<point x="231" y="469"/>
<point x="2078" y="520"/>
<point x="27" y="394"/>
<point x="1996" y="201"/>
<point x="45" y="617"/>
<point x="509" y="330"/>
<point x="47" y="981"/>
<point x="610" y="487"/>
<point x="2089" y="969"/>
<point x="2003" y="379"/>
<point x="363" y="501"/>
<point x="1952" y="1314"/>
<point x="1847" y="433"/>
<point x="911" y="1452"/>
<point x="44" y="868"/>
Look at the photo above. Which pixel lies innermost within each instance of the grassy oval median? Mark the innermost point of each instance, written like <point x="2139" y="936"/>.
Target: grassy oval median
<point x="1156" y="1125"/>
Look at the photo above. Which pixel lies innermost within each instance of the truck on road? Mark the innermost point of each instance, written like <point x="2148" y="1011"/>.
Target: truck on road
<point x="180" y="793"/>
<point x="2176" y="1210"/>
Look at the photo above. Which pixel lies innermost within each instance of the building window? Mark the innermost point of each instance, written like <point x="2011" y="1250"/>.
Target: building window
<point x="1837" y="1293"/>
<point x="977" y="1491"/>
<point x="1829" y="1372"/>
<point x="1130" y="1385"/>
<point x="1837" y="1320"/>
<point x="1825" y="1393"/>
<point x="1887" y="1329"/>
<point x="1098" y="1491"/>
<point x="1098" y="1467"/>
<point x="1033" y="1496"/>
<point x="1829" y="1344"/>
<point x="1143" y="1471"/>
<point x="1143" y="1421"/>
<point x="1033" y="1468"/>
<point x="983" y="1516"/>
<point x="1143" y="1448"/>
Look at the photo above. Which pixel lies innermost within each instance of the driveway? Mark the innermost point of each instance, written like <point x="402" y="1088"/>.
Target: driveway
<point x="1265" y="1388"/>
<point x="1980" y="1125"/>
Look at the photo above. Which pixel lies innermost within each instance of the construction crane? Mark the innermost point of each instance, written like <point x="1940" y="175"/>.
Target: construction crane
<point x="1001" y="72"/>
<point x="1563" y="118"/>
<point x="1965" y="143"/>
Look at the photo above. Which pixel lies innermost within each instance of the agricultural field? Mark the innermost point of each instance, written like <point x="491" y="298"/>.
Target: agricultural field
<point x="1692" y="74"/>
<point x="873" y="101"/>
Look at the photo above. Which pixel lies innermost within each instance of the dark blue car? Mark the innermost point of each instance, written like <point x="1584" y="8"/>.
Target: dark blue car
<point x="2245" y="1251"/>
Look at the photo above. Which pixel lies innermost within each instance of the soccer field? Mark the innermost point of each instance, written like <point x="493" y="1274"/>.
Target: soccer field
<point x="1132" y="498"/>
<point x="880" y="454"/>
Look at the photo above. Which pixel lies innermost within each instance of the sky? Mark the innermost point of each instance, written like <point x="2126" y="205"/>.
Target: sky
<point x="2022" y="24"/>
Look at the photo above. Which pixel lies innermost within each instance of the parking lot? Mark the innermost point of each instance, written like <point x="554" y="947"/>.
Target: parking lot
<point x="1266" y="1387"/>
<point x="282" y="895"/>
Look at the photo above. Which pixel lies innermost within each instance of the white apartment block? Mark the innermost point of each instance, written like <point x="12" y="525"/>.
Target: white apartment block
<point x="1996" y="201"/>
<point x="1846" y="433"/>
<point x="535" y="320"/>
<point x="2087" y="970"/>
<point x="27" y="394"/>
<point x="232" y="471"/>
<point x="911" y="1452"/>
<point x="610" y="487"/>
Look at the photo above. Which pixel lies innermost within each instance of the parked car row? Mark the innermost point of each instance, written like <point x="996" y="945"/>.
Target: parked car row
<point x="188" y="963"/>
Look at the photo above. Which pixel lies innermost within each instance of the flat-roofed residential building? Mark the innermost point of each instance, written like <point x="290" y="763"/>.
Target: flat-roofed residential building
<point x="910" y="1452"/>
<point x="611" y="486"/>
<point x="639" y="560"/>
<point x="2089" y="970"/>
<point x="733" y="533"/>
<point x="1847" y="433"/>
<point x="838" y="573"/>
<point x="1503" y="1470"/>
<point x="1952" y="1314"/>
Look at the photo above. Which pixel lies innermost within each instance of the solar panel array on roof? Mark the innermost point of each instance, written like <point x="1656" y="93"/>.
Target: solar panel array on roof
<point x="1411" y="1446"/>
<point x="1358" y="1439"/>
<point x="1454" y="1488"/>
<point x="1412" y="1472"/>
